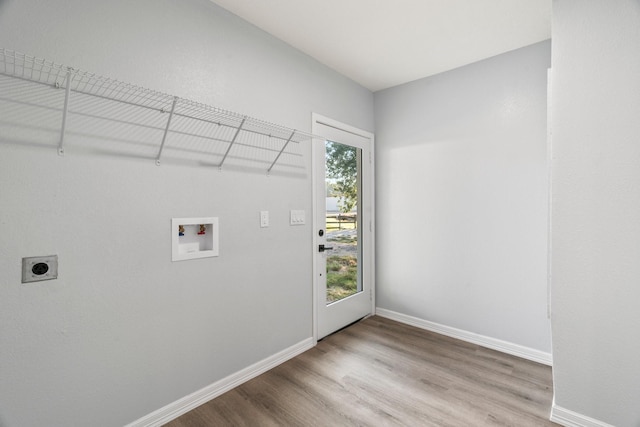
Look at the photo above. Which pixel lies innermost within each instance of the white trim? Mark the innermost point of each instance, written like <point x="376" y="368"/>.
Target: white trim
<point x="372" y="221"/>
<point x="326" y="121"/>
<point x="569" y="418"/>
<point x="195" y="399"/>
<point x="315" y="221"/>
<point x="549" y="186"/>
<point x="484" y="341"/>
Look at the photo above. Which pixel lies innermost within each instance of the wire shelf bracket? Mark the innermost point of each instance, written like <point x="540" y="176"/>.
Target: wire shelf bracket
<point x="65" y="111"/>
<point x="284" y="147"/>
<point x="166" y="129"/>
<point x="233" y="141"/>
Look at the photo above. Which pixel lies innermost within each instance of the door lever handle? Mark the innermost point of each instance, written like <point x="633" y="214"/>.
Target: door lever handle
<point x="322" y="248"/>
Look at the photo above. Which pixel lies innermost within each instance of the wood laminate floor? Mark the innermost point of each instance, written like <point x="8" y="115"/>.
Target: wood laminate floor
<point x="383" y="373"/>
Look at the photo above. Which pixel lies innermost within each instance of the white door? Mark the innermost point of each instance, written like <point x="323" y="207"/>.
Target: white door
<point x="343" y="225"/>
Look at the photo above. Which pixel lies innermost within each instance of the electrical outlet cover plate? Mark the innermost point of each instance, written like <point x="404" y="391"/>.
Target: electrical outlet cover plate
<point x="38" y="268"/>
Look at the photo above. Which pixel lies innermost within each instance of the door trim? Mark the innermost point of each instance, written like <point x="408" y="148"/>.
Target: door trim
<point x="316" y="121"/>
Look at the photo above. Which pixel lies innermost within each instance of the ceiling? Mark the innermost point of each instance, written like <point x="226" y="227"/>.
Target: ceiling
<point x="384" y="43"/>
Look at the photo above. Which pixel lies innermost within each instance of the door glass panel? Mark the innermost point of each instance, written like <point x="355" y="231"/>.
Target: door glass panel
<point x="343" y="184"/>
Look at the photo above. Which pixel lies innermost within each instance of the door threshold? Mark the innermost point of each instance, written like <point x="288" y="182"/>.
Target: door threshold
<point x="345" y="327"/>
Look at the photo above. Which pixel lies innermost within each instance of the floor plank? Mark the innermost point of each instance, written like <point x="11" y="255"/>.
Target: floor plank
<point x="379" y="372"/>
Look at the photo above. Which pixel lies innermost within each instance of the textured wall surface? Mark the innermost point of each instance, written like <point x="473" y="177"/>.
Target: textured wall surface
<point x="462" y="198"/>
<point x="124" y="331"/>
<point x="595" y="209"/>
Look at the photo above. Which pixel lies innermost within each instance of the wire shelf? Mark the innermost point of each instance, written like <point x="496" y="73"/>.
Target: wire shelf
<point x="153" y="121"/>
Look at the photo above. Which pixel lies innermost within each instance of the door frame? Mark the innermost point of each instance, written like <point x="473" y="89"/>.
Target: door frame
<point x="318" y="120"/>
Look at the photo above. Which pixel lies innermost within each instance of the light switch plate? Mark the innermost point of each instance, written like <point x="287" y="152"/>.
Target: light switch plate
<point x="297" y="217"/>
<point x="264" y="219"/>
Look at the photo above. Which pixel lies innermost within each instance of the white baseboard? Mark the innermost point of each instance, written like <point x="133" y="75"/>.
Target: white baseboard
<point x="195" y="399"/>
<point x="569" y="418"/>
<point x="492" y="343"/>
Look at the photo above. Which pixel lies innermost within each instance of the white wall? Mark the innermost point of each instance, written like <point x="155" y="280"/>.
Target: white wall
<point x="596" y="209"/>
<point x="462" y="198"/>
<point x="124" y="331"/>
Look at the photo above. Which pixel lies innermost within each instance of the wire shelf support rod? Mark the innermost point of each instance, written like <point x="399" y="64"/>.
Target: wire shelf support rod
<point x="65" y="111"/>
<point x="284" y="147"/>
<point x="233" y="141"/>
<point x="166" y="129"/>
